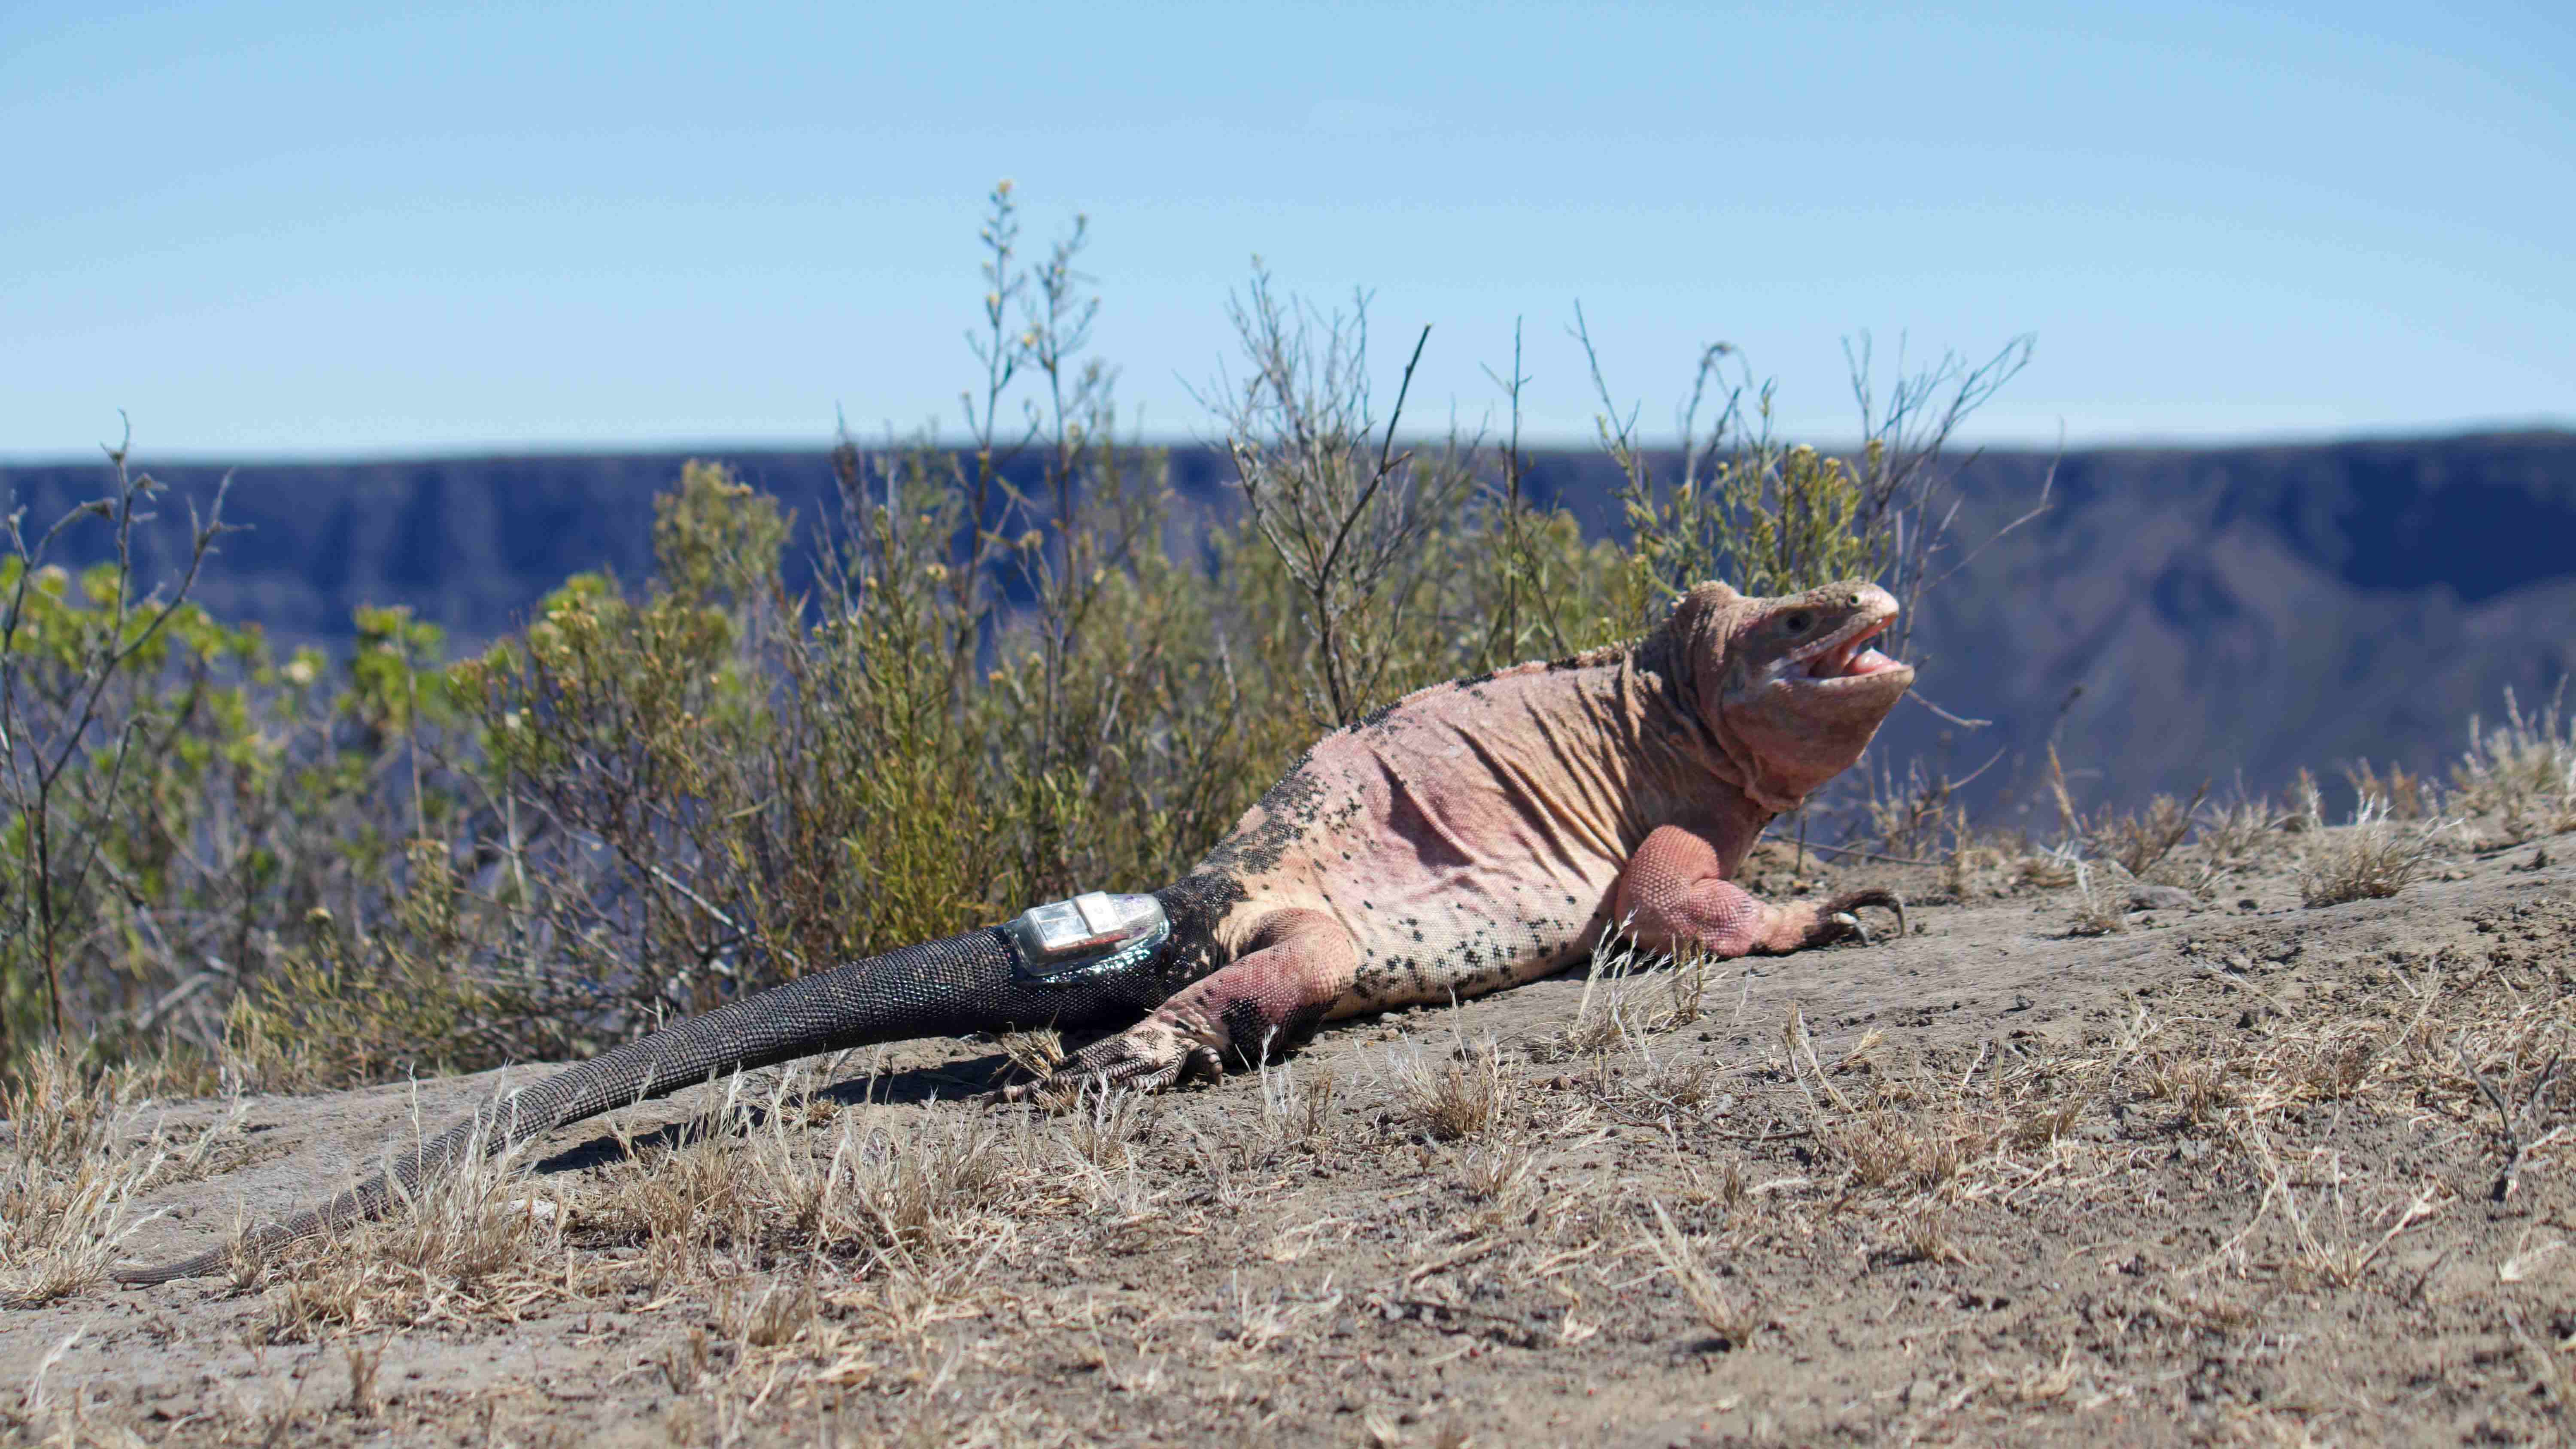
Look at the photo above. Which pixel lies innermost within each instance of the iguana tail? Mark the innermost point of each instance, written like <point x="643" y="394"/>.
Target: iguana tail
<point x="941" y="988"/>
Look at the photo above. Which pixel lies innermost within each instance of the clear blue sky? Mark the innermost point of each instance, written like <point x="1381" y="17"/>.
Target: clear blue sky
<point x="299" y="229"/>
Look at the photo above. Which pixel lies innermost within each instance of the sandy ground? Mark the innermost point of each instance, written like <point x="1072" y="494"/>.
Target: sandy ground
<point x="2228" y="1175"/>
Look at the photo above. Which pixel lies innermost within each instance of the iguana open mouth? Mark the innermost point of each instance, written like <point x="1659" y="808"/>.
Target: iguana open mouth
<point x="1852" y="658"/>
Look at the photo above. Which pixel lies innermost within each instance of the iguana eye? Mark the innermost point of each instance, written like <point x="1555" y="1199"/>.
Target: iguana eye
<point x="1797" y="623"/>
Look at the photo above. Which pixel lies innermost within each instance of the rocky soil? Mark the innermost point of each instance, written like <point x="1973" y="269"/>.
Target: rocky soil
<point x="2233" y="1172"/>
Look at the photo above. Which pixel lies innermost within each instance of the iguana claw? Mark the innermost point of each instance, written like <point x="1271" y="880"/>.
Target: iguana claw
<point x="1842" y="911"/>
<point x="1148" y="1057"/>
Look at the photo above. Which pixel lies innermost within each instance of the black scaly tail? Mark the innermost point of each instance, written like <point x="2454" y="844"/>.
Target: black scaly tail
<point x="940" y="988"/>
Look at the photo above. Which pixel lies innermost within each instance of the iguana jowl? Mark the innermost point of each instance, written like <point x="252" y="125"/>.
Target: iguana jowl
<point x="1472" y="836"/>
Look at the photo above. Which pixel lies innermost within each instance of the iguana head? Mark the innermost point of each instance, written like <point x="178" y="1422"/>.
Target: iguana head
<point x="1790" y="686"/>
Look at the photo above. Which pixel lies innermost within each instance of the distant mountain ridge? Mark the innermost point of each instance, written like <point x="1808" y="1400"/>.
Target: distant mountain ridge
<point x="2224" y="611"/>
<point x="2256" y="610"/>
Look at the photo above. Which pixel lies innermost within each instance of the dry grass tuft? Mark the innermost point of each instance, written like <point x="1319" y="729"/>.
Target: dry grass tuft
<point x="1679" y="1086"/>
<point x="2233" y="833"/>
<point x="771" y="1315"/>
<point x="1297" y="1111"/>
<point x="1495" y="1171"/>
<point x="1908" y="817"/>
<point x="1878" y="1150"/>
<point x="928" y="1189"/>
<point x="1970" y="870"/>
<point x="2203" y="1087"/>
<point x="1462" y="1096"/>
<point x="1035" y="1055"/>
<point x="2046" y="1122"/>
<point x="1888" y="1149"/>
<point x="2332" y="1066"/>
<point x="2376" y="858"/>
<point x="744" y="1184"/>
<point x="1726" y="1187"/>
<point x="1631" y="995"/>
<point x="2334" y="1237"/>
<point x="1926" y="1237"/>
<point x="2142" y="843"/>
<point x="1732" y="1324"/>
<point x="753" y="1182"/>
<point x="475" y="1243"/>
<point x="2410" y="796"/>
<point x="2100" y="906"/>
<point x="1103" y="1123"/>
<point x="2522" y="771"/>
<point x="363" y="1362"/>
<point x="75" y="1168"/>
<point x="2307" y="812"/>
<point x="2048" y="870"/>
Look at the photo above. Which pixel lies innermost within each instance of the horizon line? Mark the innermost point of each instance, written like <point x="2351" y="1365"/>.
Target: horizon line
<point x="2457" y="431"/>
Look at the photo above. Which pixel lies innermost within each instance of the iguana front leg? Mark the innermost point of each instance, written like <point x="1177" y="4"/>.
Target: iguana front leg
<point x="1271" y="998"/>
<point x="1674" y="896"/>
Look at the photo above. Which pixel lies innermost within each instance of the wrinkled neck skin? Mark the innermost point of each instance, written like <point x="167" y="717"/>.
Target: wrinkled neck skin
<point x="1786" y="689"/>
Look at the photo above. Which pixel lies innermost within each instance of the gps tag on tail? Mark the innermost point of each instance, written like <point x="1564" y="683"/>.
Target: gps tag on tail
<point x="1091" y="935"/>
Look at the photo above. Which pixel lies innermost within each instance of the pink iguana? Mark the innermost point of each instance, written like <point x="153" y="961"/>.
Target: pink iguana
<point x="1486" y="832"/>
<point x="1472" y="836"/>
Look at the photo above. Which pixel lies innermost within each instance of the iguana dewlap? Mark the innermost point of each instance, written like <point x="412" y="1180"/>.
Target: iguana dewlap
<point x="1472" y="836"/>
<point x="1485" y="832"/>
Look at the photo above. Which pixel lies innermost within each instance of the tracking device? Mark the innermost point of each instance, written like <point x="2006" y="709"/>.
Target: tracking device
<point x="1092" y="935"/>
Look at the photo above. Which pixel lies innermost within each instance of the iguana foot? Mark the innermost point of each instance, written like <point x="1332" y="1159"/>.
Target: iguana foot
<point x="1266" y="1001"/>
<point x="1840" y="918"/>
<point x="1151" y="1055"/>
<point x="1675" y="900"/>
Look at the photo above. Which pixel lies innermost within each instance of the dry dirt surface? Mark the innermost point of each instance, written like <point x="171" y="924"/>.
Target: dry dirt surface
<point x="2246" y="1171"/>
